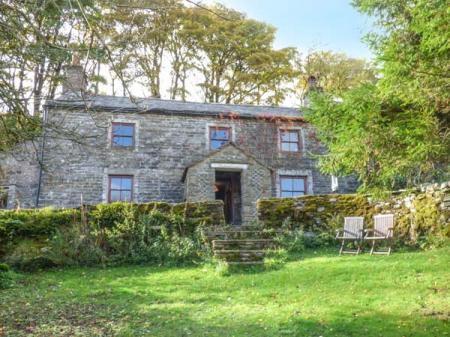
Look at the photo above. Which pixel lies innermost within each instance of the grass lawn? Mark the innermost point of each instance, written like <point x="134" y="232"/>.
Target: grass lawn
<point x="405" y="294"/>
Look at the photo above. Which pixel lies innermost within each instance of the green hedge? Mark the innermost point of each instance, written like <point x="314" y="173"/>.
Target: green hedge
<point x="34" y="223"/>
<point x="40" y="224"/>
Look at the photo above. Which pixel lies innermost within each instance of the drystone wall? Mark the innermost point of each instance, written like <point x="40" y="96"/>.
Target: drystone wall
<point x="38" y="225"/>
<point x="423" y="211"/>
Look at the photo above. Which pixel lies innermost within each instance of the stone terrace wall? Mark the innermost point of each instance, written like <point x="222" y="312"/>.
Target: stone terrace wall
<point x="425" y="210"/>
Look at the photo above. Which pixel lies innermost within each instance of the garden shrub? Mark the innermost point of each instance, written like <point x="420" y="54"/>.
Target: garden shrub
<point x="147" y="238"/>
<point x="108" y="215"/>
<point x="17" y="225"/>
<point x="4" y="267"/>
<point x="102" y="233"/>
<point x="275" y="259"/>
<point x="7" y="279"/>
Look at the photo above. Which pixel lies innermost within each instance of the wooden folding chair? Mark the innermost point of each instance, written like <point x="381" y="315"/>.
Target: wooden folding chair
<point x="383" y="231"/>
<point x="353" y="231"/>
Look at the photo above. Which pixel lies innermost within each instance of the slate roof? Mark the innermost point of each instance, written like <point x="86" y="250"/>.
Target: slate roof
<point x="120" y="104"/>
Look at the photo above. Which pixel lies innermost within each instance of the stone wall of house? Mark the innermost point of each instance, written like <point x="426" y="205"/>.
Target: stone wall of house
<point x="256" y="180"/>
<point x="418" y="212"/>
<point x="19" y="175"/>
<point x="165" y="145"/>
<point x="78" y="156"/>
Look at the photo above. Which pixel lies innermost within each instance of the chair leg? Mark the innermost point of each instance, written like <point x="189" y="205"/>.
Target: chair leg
<point x="342" y="247"/>
<point x="358" y="245"/>
<point x="373" y="247"/>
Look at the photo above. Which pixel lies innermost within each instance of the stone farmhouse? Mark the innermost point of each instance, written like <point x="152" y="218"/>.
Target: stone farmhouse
<point x="98" y="148"/>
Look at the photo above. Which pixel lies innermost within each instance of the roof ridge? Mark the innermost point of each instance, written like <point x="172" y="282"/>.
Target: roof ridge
<point x="141" y="99"/>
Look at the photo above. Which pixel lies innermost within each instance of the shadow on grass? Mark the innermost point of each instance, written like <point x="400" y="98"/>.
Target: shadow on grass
<point x="187" y="301"/>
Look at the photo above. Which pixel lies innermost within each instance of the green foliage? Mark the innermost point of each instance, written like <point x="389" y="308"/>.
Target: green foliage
<point x="16" y="225"/>
<point x="116" y="235"/>
<point x="275" y="259"/>
<point x="413" y="48"/>
<point x="388" y="143"/>
<point x="113" y="233"/>
<point x="335" y="73"/>
<point x="7" y="276"/>
<point x="7" y="279"/>
<point x="296" y="241"/>
<point x="433" y="241"/>
<point x="4" y="267"/>
<point x="108" y="215"/>
<point x="16" y="128"/>
<point x="395" y="133"/>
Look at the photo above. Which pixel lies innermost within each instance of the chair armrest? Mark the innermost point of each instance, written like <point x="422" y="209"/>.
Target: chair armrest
<point x="354" y="235"/>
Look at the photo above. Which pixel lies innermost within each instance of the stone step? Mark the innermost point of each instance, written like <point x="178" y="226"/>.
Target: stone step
<point x="240" y="251"/>
<point x="227" y="235"/>
<point x="240" y="255"/>
<point x="247" y="244"/>
<point x="245" y="263"/>
<point x="236" y="228"/>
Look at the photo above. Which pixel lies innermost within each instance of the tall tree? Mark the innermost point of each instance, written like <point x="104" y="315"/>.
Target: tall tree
<point x="144" y="31"/>
<point x="394" y="134"/>
<point x="413" y="50"/>
<point x="334" y="72"/>
<point x="235" y="57"/>
<point x="38" y="37"/>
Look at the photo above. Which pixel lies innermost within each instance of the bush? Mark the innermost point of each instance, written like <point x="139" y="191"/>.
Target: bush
<point x="109" y="215"/>
<point x="25" y="254"/>
<point x="275" y="259"/>
<point x="432" y="241"/>
<point x="7" y="276"/>
<point x="4" y="267"/>
<point x="16" y="225"/>
<point x="292" y="241"/>
<point x="7" y="279"/>
<point x="149" y="238"/>
<point x="155" y="232"/>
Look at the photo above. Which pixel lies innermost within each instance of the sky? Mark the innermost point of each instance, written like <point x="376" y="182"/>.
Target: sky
<point x="310" y="24"/>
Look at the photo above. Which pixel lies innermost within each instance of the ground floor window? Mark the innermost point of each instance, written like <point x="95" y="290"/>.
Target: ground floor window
<point x="120" y="188"/>
<point x="292" y="186"/>
<point x="3" y="197"/>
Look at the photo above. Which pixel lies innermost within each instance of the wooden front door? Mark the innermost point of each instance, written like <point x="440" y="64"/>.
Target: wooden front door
<point x="228" y="189"/>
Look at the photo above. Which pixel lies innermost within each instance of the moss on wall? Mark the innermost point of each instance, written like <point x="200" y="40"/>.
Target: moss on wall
<point x="208" y="213"/>
<point x="40" y="224"/>
<point x="311" y="212"/>
<point x="416" y="214"/>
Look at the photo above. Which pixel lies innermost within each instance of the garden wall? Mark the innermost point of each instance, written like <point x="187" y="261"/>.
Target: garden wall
<point x="38" y="225"/>
<point x="419" y="212"/>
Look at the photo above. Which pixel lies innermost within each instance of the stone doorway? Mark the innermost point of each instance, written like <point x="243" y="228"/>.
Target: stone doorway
<point x="228" y="189"/>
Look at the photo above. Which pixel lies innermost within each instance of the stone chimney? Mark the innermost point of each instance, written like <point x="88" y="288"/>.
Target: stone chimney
<point x="311" y="86"/>
<point x="74" y="77"/>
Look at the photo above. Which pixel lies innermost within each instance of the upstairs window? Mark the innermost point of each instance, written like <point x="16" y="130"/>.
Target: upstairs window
<point x="290" y="140"/>
<point x="292" y="186"/>
<point x="120" y="188"/>
<point x="219" y="136"/>
<point x="122" y="134"/>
